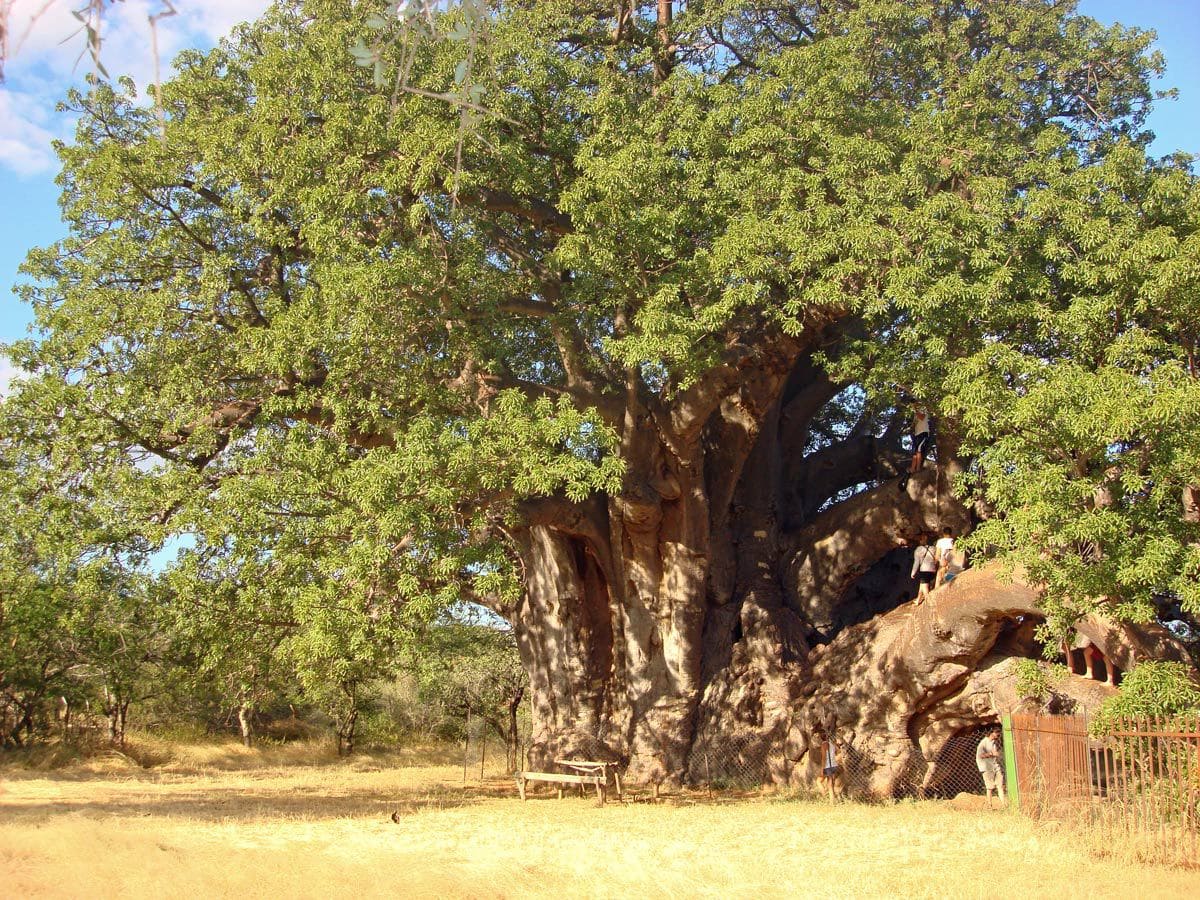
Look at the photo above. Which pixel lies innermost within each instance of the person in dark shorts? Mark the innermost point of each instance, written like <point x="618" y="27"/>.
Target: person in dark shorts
<point x="921" y="439"/>
<point x="831" y="771"/>
<point x="924" y="567"/>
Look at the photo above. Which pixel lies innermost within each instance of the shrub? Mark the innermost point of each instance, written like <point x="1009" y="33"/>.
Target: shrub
<point x="1151" y="688"/>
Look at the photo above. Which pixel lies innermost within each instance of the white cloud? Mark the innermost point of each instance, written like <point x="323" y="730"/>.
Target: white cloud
<point x="27" y="126"/>
<point x="217" y="17"/>
<point x="49" y="54"/>
<point x="8" y="373"/>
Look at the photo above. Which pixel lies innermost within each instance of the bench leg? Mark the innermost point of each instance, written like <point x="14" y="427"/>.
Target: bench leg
<point x="617" y="777"/>
<point x="599" y="793"/>
<point x="560" y="793"/>
<point x="521" y="788"/>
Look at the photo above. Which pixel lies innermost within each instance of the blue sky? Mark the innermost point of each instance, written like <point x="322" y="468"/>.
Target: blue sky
<point x="41" y="70"/>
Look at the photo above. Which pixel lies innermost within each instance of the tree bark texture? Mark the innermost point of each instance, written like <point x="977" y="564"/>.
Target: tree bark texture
<point x="116" y="711"/>
<point x="345" y="733"/>
<point x="245" y="715"/>
<point x="697" y="624"/>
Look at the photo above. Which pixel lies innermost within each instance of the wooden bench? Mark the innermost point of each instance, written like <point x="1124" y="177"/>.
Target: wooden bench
<point x="586" y="772"/>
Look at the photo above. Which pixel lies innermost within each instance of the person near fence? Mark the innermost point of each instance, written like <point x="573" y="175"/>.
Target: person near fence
<point x="987" y="760"/>
<point x="831" y="771"/>
<point x="924" y="567"/>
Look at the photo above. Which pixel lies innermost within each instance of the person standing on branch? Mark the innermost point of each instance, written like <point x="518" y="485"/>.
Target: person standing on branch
<point x="944" y="550"/>
<point x="924" y="568"/>
<point x="921" y="441"/>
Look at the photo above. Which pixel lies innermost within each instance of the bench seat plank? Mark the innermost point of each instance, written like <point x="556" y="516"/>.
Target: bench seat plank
<point x="564" y="779"/>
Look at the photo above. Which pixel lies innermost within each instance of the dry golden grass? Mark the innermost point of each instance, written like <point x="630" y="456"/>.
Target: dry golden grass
<point x="199" y="826"/>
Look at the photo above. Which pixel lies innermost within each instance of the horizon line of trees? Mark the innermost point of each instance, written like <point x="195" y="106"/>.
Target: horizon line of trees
<point x="104" y="650"/>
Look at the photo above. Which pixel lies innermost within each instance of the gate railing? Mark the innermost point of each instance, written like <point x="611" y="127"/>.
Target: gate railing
<point x="1135" y="787"/>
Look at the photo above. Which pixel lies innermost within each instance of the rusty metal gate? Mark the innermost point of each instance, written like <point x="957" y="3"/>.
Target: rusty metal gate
<point x="1053" y="765"/>
<point x="1136" y="786"/>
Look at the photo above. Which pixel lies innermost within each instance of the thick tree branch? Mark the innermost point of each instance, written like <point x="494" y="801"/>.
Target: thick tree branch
<point x="692" y="409"/>
<point x="827" y="555"/>
<point x="531" y="209"/>
<point x="813" y="479"/>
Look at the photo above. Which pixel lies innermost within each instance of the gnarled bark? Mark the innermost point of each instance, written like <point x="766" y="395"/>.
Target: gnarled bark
<point x="842" y="543"/>
<point x="901" y="683"/>
<point x="699" y="623"/>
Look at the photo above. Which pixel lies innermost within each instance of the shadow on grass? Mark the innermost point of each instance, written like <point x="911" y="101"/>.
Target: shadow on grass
<point x="239" y="803"/>
<point x="152" y="759"/>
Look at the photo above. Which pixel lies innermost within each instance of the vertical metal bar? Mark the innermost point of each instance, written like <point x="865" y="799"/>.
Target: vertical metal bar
<point x="1035" y="772"/>
<point x="1149" y="823"/>
<point x="1185" y="774"/>
<point x="1178" y="778"/>
<point x="1010" y="763"/>
<point x="1089" y="770"/>
<point x="1052" y="746"/>
<point x="1178" y="788"/>
<point x="1088" y="808"/>
<point x="466" y="743"/>
<point x="1194" y="790"/>
<point x="1121" y="772"/>
<point x="1129" y="751"/>
<point x="1135" y="770"/>
<point x="1150" y="788"/>
<point x="1164" y="787"/>
<point x="1115" y="793"/>
<point x="1193" y="781"/>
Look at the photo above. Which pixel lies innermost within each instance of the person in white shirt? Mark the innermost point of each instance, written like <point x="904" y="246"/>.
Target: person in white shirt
<point x="831" y="772"/>
<point x="944" y="550"/>
<point x="920" y="442"/>
<point x="924" y="568"/>
<point x="987" y="760"/>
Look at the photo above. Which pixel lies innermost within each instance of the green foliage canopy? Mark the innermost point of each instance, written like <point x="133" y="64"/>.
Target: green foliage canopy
<point x="337" y="351"/>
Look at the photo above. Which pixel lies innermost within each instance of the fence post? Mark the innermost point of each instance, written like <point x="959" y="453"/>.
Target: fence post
<point x="466" y="743"/>
<point x="1010" y="763"/>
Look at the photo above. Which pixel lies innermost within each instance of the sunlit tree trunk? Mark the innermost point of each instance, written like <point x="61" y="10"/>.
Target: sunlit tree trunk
<point x="245" y="714"/>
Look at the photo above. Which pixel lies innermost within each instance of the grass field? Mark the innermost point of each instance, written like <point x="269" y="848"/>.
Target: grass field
<point x="219" y="820"/>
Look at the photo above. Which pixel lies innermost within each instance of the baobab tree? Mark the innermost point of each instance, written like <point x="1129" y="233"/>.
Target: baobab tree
<point x="632" y="362"/>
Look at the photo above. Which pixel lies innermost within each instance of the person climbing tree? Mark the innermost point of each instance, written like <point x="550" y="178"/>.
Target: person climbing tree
<point x="925" y="567"/>
<point x="944" y="550"/>
<point x="921" y="441"/>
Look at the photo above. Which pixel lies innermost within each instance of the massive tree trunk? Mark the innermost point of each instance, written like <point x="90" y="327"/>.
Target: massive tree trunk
<point x="747" y="578"/>
<point x="609" y="627"/>
<point x="670" y="624"/>
<point x="619" y="590"/>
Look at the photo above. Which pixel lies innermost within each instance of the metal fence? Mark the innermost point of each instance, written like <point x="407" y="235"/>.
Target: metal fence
<point x="1134" y="789"/>
<point x="733" y="765"/>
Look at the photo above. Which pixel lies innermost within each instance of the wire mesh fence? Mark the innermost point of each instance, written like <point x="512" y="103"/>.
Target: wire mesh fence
<point x="737" y="764"/>
<point x="835" y="766"/>
<point x="956" y="770"/>
<point x="732" y="763"/>
<point x="486" y="753"/>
